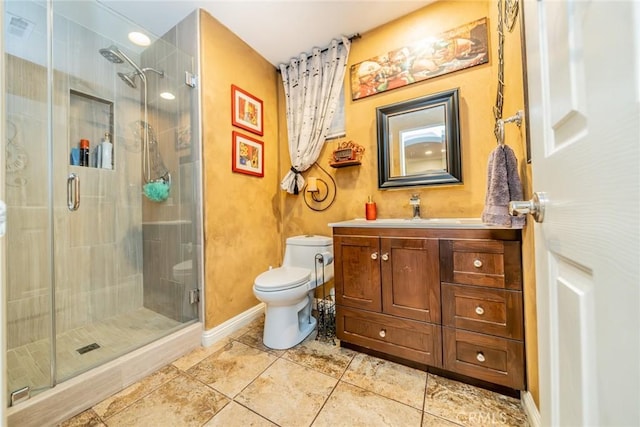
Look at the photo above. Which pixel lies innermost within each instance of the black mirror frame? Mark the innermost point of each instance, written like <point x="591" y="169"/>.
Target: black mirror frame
<point x="453" y="174"/>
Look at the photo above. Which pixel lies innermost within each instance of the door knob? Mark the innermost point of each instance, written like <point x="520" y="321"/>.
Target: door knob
<point x="535" y="206"/>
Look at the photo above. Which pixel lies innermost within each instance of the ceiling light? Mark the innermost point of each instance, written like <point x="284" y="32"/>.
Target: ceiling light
<point x="428" y="152"/>
<point x="139" y="38"/>
<point x="168" y="96"/>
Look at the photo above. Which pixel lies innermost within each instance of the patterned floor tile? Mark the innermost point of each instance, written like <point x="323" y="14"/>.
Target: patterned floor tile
<point x="471" y="406"/>
<point x="322" y="356"/>
<point x="288" y="394"/>
<point x="126" y="397"/>
<point x="388" y="379"/>
<point x="352" y="406"/>
<point x="182" y="402"/>
<point x="232" y="368"/>
<point x="237" y="415"/>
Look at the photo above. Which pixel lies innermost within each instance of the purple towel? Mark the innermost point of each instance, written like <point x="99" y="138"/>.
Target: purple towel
<point x="503" y="186"/>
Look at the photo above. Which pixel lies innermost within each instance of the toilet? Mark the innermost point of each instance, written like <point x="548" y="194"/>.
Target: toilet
<point x="287" y="291"/>
<point x="182" y="272"/>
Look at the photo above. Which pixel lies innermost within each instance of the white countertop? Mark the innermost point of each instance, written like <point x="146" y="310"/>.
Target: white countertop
<point x="475" y="223"/>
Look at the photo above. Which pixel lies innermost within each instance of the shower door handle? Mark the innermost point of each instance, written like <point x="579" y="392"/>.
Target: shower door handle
<point x="73" y="192"/>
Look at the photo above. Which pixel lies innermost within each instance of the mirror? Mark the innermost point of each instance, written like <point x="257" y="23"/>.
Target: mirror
<point x="419" y="142"/>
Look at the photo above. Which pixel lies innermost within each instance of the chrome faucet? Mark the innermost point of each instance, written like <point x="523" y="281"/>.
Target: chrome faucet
<point x="414" y="201"/>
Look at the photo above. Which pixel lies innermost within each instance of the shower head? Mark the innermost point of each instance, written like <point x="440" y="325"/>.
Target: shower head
<point x="115" y="55"/>
<point x="112" y="53"/>
<point x="129" y="79"/>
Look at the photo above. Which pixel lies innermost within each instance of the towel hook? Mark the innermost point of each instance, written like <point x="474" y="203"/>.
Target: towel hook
<point x="499" y="128"/>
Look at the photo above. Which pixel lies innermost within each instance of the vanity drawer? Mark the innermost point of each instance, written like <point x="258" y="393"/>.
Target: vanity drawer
<point x="487" y="263"/>
<point x="408" y="339"/>
<point x="493" y="359"/>
<point x="485" y="310"/>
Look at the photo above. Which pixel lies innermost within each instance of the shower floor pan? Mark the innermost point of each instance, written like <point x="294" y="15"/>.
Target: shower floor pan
<point x="86" y="347"/>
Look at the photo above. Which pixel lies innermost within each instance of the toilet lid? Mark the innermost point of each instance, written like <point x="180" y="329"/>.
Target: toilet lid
<point x="279" y="279"/>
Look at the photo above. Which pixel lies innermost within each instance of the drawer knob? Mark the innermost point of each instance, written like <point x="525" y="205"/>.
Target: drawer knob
<point x="480" y="357"/>
<point x="477" y="263"/>
<point x="479" y="311"/>
<point x="374" y="255"/>
<point x="383" y="333"/>
<point x="385" y="257"/>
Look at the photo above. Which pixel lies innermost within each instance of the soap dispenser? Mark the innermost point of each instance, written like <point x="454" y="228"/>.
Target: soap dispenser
<point x="370" y="210"/>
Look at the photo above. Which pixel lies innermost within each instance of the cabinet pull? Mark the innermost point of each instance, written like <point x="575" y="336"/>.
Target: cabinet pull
<point x="385" y="257"/>
<point x="480" y="356"/>
<point x="383" y="333"/>
<point x="479" y="310"/>
<point x="477" y="263"/>
<point x="374" y="255"/>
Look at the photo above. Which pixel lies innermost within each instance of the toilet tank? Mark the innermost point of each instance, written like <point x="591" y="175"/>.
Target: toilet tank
<point x="301" y="250"/>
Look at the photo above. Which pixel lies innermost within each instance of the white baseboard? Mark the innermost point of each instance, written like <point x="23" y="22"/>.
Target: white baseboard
<point x="530" y="409"/>
<point x="225" y="329"/>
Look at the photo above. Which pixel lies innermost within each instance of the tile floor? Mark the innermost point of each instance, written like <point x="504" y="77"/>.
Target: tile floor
<point x="240" y="382"/>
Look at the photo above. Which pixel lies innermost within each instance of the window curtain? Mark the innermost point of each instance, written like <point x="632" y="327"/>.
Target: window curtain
<point x="312" y="85"/>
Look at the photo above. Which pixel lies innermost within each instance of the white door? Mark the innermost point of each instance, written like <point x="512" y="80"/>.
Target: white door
<point x="583" y="65"/>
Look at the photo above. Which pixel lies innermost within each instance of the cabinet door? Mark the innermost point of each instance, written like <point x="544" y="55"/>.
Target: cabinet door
<point x="411" y="278"/>
<point x="357" y="272"/>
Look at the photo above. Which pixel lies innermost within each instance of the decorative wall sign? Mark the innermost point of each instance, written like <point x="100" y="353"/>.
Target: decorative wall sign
<point x="463" y="47"/>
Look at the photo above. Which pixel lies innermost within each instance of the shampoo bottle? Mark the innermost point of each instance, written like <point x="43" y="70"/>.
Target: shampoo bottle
<point x="370" y="210"/>
<point x="106" y="152"/>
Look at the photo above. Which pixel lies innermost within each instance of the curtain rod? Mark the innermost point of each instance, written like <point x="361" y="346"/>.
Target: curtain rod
<point x="354" y="36"/>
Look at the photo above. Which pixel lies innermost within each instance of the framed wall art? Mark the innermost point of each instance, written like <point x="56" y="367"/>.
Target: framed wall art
<point x="462" y="47"/>
<point x="247" y="155"/>
<point x="246" y="111"/>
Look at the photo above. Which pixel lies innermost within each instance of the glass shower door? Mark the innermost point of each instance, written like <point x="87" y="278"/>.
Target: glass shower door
<point x="27" y="183"/>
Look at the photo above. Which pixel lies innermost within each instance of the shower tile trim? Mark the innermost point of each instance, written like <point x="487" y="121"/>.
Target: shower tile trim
<point x="84" y="391"/>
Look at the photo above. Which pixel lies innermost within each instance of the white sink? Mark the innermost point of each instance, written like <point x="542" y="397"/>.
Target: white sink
<point x="415" y="223"/>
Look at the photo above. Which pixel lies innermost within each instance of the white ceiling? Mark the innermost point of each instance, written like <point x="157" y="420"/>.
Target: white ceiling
<point x="278" y="30"/>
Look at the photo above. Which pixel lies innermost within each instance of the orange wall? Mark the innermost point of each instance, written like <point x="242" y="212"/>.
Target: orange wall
<point x="241" y="212"/>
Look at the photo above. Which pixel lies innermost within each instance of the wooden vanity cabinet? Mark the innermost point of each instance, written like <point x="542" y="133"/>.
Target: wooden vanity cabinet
<point x="482" y="310"/>
<point x="388" y="291"/>
<point x="446" y="298"/>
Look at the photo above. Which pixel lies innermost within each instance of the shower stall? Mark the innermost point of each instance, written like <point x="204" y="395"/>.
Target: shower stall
<point x="96" y="267"/>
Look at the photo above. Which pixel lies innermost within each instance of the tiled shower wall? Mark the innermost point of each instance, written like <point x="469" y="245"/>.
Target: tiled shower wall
<point x="171" y="233"/>
<point x="97" y="249"/>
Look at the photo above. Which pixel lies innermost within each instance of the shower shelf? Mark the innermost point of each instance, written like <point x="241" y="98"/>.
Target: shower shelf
<point x="90" y="117"/>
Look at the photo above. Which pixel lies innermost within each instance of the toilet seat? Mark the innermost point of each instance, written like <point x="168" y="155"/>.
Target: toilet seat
<point x="282" y="278"/>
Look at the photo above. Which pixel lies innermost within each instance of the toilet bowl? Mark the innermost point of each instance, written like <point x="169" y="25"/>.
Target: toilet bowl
<point x="182" y="271"/>
<point x="287" y="291"/>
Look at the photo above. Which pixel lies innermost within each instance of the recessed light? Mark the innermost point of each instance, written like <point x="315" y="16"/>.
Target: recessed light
<point x="139" y="38"/>
<point x="168" y="96"/>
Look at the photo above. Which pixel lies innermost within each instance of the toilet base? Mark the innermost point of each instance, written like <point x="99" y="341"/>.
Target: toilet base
<point x="284" y="327"/>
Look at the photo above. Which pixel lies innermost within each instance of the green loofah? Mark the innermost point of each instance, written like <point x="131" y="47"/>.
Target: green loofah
<point x="157" y="191"/>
